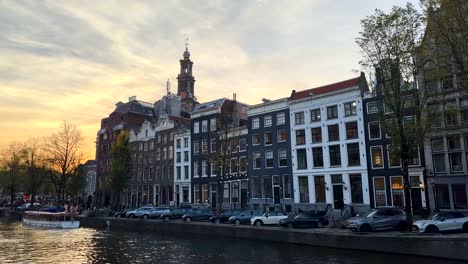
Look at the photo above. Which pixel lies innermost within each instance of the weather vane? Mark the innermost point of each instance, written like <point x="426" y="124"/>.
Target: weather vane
<point x="186" y="44"/>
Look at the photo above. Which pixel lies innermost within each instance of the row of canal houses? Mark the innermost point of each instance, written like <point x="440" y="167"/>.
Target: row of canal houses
<point x="319" y="146"/>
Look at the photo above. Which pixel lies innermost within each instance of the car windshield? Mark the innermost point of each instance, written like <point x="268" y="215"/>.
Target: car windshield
<point x="372" y="213"/>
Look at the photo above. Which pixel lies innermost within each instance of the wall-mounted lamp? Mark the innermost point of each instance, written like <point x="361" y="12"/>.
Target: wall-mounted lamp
<point x="421" y="185"/>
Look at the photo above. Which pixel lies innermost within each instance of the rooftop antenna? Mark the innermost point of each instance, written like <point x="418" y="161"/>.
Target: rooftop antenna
<point x="186" y="44"/>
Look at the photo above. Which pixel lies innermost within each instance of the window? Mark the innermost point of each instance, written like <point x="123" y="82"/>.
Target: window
<point x="282" y="158"/>
<point x="374" y="130"/>
<point x="356" y="188"/>
<point x="178" y="156"/>
<point x="453" y="142"/>
<point x="398" y="198"/>
<point x="197" y="193"/>
<point x="205" y="126"/>
<point x="464" y="115"/>
<point x="151" y="145"/>
<point x="226" y="193"/>
<point x="281" y="135"/>
<point x="268" y="158"/>
<point x="267" y="121"/>
<point x="164" y="153"/>
<point x="380" y="197"/>
<point x="186" y="142"/>
<point x="377" y="157"/>
<point x="443" y="196"/>
<point x="178" y="172"/>
<point x="196" y="147"/>
<point x="280" y="118"/>
<point x="205" y="196"/>
<point x="354" y="159"/>
<point x="268" y="138"/>
<point x="196" y="172"/>
<point x="186" y="172"/>
<point x="437" y="144"/>
<point x="414" y="158"/>
<point x="299" y="118"/>
<point x="213" y="145"/>
<point x="372" y="108"/>
<point x="171" y="152"/>
<point x="303" y="189"/>
<point x="300" y="137"/>
<point x="158" y="154"/>
<point x="178" y="143"/>
<point x="234" y="145"/>
<point x="315" y="115"/>
<point x="196" y="127"/>
<point x="352" y="130"/>
<point x="255" y="123"/>
<point x="319" y="182"/>
<point x="335" y="155"/>
<point x="447" y="83"/>
<point x="317" y="154"/>
<point x="242" y="144"/>
<point x="333" y="133"/>
<point x="243" y="164"/>
<point x="267" y="187"/>
<point x="233" y="167"/>
<point x="213" y="124"/>
<point x="186" y="156"/>
<point x="287" y="186"/>
<point x="439" y="163"/>
<point x="256" y="187"/>
<point x="204" y="168"/>
<point x="350" y="108"/>
<point x="393" y="159"/>
<point x="255" y="139"/>
<point x="456" y="162"/>
<point x="235" y="192"/>
<point x="459" y="196"/>
<point x="301" y="159"/>
<point x="332" y="112"/>
<point x="257" y="161"/>
<point x="316" y="135"/>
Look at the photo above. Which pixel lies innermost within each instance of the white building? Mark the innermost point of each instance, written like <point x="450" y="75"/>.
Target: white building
<point x="328" y="145"/>
<point x="182" y="164"/>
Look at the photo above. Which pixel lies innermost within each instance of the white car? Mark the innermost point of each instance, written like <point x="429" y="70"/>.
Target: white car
<point x="268" y="218"/>
<point x="442" y="222"/>
<point x="138" y="212"/>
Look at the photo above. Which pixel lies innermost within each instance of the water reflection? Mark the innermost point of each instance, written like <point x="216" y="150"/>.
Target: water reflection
<point x="20" y="244"/>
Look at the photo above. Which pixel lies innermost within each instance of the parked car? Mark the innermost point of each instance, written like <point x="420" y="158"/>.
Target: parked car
<point x="443" y="222"/>
<point x="175" y="214"/>
<point x="123" y="213"/>
<point x="381" y="218"/>
<point x="155" y="212"/>
<point x="198" y="215"/>
<point x="27" y="206"/>
<point x="138" y="212"/>
<point x="244" y="217"/>
<point x="268" y="218"/>
<point x="224" y="216"/>
<point x="306" y="219"/>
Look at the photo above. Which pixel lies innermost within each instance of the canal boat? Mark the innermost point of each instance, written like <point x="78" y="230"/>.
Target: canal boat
<point x="50" y="220"/>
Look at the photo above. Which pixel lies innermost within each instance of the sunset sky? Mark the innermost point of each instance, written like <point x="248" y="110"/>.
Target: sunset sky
<point x="73" y="60"/>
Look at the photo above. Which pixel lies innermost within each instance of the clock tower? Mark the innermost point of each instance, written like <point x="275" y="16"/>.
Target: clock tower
<point x="186" y="82"/>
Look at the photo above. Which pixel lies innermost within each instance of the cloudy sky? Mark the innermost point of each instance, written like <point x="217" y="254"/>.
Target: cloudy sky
<point x="73" y="60"/>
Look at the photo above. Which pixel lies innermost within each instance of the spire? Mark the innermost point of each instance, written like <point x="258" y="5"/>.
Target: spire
<point x="168" y="87"/>
<point x="186" y="52"/>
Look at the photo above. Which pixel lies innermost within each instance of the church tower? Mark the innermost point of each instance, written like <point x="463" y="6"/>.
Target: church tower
<point x="186" y="82"/>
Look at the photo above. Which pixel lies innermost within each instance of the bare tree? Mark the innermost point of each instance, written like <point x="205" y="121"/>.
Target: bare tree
<point x="35" y="166"/>
<point x="64" y="154"/>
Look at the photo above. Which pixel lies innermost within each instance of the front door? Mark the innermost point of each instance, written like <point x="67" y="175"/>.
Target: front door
<point x="338" y="196"/>
<point x="276" y="194"/>
<point x="416" y="201"/>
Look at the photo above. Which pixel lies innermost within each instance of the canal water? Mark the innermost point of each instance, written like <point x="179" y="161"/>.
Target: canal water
<point x="19" y="244"/>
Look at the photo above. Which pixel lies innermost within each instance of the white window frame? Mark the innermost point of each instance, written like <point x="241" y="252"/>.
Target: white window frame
<point x="272" y="158"/>
<point x="279" y="157"/>
<point x="388" y="158"/>
<point x="372" y="158"/>
<point x="281" y="116"/>
<point x="265" y="119"/>
<point x="391" y="188"/>
<point x="196" y="127"/>
<point x="374" y="103"/>
<point x="255" y="123"/>
<point x="385" y="188"/>
<point x="213" y="124"/>
<point x="204" y="126"/>
<point x="380" y="130"/>
<point x="277" y="135"/>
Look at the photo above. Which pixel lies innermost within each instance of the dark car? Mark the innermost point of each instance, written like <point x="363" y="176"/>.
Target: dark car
<point x="198" y="215"/>
<point x="244" y="217"/>
<point x="224" y="216"/>
<point x="380" y="218"/>
<point x="155" y="212"/>
<point x="306" y="220"/>
<point x="121" y="214"/>
<point x="175" y="214"/>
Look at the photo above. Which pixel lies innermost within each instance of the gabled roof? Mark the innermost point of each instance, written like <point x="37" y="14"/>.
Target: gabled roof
<point x="210" y="105"/>
<point x="327" y="88"/>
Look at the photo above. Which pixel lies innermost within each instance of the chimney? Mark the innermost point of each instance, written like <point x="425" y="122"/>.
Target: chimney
<point x="132" y="98"/>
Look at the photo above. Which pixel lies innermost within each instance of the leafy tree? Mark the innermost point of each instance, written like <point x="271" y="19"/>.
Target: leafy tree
<point x="388" y="42"/>
<point x="77" y="182"/>
<point x="64" y="154"/>
<point x="445" y="44"/>
<point x="11" y="164"/>
<point x="121" y="165"/>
